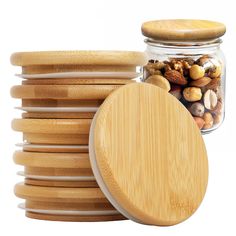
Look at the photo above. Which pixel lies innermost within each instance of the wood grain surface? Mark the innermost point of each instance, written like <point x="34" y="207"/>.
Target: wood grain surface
<point x="52" y="126"/>
<point x="53" y="160"/>
<point x="60" y="103"/>
<point x="127" y="58"/>
<point x="150" y="155"/>
<point x="64" y="139"/>
<point x="45" y="69"/>
<point x="59" y="194"/>
<point x="61" y="183"/>
<point x="88" y="92"/>
<point x="183" y="30"/>
<point x="76" y="81"/>
<point x="74" y="218"/>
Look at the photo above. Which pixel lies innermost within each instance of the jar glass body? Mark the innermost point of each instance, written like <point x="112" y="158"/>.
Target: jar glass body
<point x="196" y="75"/>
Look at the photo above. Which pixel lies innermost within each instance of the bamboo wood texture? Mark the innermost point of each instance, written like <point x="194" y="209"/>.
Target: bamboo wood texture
<point x="63" y="139"/>
<point x="77" y="81"/>
<point x="51" y="171"/>
<point x="88" y="92"/>
<point x="57" y="194"/>
<point x="150" y="155"/>
<point x="60" y="103"/>
<point x="52" y="126"/>
<point x="53" y="160"/>
<point x="45" y="69"/>
<point x="74" y="218"/>
<point x="58" y="115"/>
<point x="68" y="206"/>
<point x="61" y="183"/>
<point x="55" y="149"/>
<point x="183" y="30"/>
<point x="117" y="58"/>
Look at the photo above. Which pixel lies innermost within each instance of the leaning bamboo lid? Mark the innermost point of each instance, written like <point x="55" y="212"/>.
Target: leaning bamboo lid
<point x="183" y="30"/>
<point x="148" y="155"/>
<point x="117" y="58"/>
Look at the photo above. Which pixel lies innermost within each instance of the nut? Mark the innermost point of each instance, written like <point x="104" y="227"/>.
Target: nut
<point x="159" y="81"/>
<point x="207" y="117"/>
<point x="176" y="91"/>
<point x="217" y="119"/>
<point x="175" y="77"/>
<point x="210" y="99"/>
<point x="215" y="70"/>
<point x="197" y="109"/>
<point x="200" y="82"/>
<point x="196" y="72"/>
<point x="214" y="83"/>
<point x="199" y="121"/>
<point x="192" y="94"/>
<point x="218" y="109"/>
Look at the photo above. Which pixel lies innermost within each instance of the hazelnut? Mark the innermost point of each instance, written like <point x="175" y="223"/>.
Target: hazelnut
<point x="192" y="94"/>
<point x="159" y="81"/>
<point x="215" y="71"/>
<point x="208" y="118"/>
<point x="210" y="99"/>
<point x="197" y="109"/>
<point x="196" y="72"/>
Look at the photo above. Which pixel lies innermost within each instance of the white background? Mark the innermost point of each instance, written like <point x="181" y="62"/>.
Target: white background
<point x="107" y="24"/>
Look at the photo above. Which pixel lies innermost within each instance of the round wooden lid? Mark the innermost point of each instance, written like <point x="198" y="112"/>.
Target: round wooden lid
<point x="59" y="194"/>
<point x="183" y="30"/>
<point x="52" y="126"/>
<point x="52" y="160"/>
<point x="128" y="58"/>
<point x="82" y="91"/>
<point x="148" y="155"/>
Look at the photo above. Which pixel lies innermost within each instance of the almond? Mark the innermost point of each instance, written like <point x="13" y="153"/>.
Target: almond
<point x="213" y="84"/>
<point x="175" y="77"/>
<point x="200" y="82"/>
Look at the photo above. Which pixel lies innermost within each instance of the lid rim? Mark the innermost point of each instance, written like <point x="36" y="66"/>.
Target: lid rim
<point x="183" y="29"/>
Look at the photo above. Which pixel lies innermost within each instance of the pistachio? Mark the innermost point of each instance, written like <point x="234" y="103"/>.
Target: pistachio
<point x="197" y="109"/>
<point x="210" y="99"/>
<point x="208" y="118"/>
<point x="159" y="81"/>
<point x="196" y="72"/>
<point x="199" y="121"/>
<point x="192" y="94"/>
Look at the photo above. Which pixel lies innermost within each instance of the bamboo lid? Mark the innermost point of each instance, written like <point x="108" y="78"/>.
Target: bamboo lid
<point x="128" y="58"/>
<point x="148" y="155"/>
<point x="52" y="126"/>
<point x="183" y="30"/>
<point x="85" y="91"/>
<point x="53" y="160"/>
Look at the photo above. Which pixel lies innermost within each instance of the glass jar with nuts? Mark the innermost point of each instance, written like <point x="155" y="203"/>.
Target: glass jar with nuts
<point x="185" y="59"/>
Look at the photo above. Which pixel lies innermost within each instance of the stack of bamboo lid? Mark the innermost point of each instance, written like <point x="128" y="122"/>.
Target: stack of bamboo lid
<point x="60" y="92"/>
<point x="146" y="153"/>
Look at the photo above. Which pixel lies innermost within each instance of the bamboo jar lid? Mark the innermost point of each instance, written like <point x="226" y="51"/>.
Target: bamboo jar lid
<point x="127" y="58"/>
<point x="148" y="156"/>
<point x="183" y="30"/>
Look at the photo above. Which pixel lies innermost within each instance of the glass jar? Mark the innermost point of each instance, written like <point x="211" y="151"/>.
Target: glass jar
<point x="193" y="72"/>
